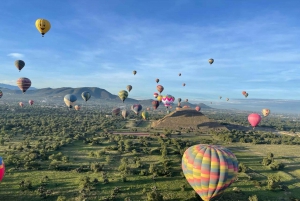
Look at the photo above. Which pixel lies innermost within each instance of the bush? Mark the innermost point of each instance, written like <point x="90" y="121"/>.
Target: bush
<point x="276" y="166"/>
<point x="243" y="167"/>
<point x="253" y="198"/>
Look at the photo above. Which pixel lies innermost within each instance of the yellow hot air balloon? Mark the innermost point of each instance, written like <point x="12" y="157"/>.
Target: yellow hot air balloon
<point x="265" y="112"/>
<point x="43" y="26"/>
<point x="159" y="98"/>
<point x="145" y="115"/>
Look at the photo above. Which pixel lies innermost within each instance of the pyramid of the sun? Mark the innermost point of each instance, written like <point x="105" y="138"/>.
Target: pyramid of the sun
<point x="187" y="118"/>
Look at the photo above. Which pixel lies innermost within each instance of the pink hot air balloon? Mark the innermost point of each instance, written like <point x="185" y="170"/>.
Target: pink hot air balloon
<point x="254" y="119"/>
<point x="30" y="102"/>
<point x="168" y="100"/>
<point x="197" y="108"/>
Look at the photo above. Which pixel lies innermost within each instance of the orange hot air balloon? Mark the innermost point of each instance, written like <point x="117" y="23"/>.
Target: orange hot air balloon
<point x="21" y="104"/>
<point x="77" y="107"/>
<point x="159" y="88"/>
<point x="244" y="93"/>
<point x="197" y="108"/>
<point x="265" y="112"/>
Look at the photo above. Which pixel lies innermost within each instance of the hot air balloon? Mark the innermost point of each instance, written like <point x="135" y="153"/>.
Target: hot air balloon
<point x="129" y="87"/>
<point x="186" y="106"/>
<point x="148" y="108"/>
<point x="244" y="93"/>
<point x="197" y="108"/>
<point x="159" y="98"/>
<point x="145" y="115"/>
<point x="21" y="104"/>
<point x="186" y="100"/>
<point x="227" y="99"/>
<point x="24" y="84"/>
<point x="70" y="100"/>
<point x="77" y="107"/>
<point x="254" y="119"/>
<point x="209" y="169"/>
<point x="43" y="26"/>
<point x="116" y="111"/>
<point x="183" y="84"/>
<point x="19" y="64"/>
<point x="155" y="95"/>
<point x="159" y="88"/>
<point x="265" y="112"/>
<point x="86" y="95"/>
<point x="179" y="100"/>
<point x="30" y="102"/>
<point x="155" y="104"/>
<point x="179" y="74"/>
<point x="157" y="80"/>
<point x="210" y="61"/>
<point x="2" y="169"/>
<point x="167" y="100"/>
<point x="220" y="97"/>
<point x="1" y="94"/>
<point x="124" y="114"/>
<point x="123" y="95"/>
<point x="134" y="72"/>
<point x="178" y="107"/>
<point x="136" y="108"/>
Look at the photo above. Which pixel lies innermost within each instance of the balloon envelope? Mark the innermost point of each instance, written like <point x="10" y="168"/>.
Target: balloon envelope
<point x="43" y="26"/>
<point x="124" y="113"/>
<point x="209" y="169"/>
<point x="254" y="119"/>
<point x="19" y="64"/>
<point x="1" y="94"/>
<point x="197" y="108"/>
<point x="167" y="100"/>
<point x="116" y="111"/>
<point x="30" y="102"/>
<point x="86" y="95"/>
<point x="77" y="107"/>
<point x="24" y="83"/>
<point x="265" y="112"/>
<point x="123" y="95"/>
<point x="2" y="169"/>
<point x="70" y="100"/>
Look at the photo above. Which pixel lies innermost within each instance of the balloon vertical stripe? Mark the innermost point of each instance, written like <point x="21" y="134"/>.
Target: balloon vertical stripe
<point x="209" y="169"/>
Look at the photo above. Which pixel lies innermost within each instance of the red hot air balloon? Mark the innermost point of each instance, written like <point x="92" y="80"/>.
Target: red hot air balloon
<point x="155" y="104"/>
<point x="254" y="119"/>
<point x="197" y="108"/>
<point x="2" y="169"/>
<point x="155" y="95"/>
<point x="24" y="84"/>
<point x="30" y="102"/>
<point x="244" y="93"/>
<point x="159" y="88"/>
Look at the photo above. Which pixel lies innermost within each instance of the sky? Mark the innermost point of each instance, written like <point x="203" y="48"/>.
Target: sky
<point x="98" y="43"/>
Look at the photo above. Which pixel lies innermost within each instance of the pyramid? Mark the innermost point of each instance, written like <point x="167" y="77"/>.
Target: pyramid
<point x="187" y="118"/>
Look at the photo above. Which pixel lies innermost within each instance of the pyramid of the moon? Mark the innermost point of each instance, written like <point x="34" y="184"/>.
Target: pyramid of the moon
<point x="187" y="118"/>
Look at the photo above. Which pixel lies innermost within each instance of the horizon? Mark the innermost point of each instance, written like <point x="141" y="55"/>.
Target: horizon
<point x="254" y="46"/>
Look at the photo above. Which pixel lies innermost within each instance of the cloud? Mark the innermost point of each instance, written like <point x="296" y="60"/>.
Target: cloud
<point x="16" y="55"/>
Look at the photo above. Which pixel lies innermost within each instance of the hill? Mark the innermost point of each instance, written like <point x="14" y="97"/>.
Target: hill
<point x="187" y="118"/>
<point x="97" y="93"/>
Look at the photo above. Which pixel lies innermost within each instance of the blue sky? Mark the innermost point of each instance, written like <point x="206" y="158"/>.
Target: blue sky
<point x="98" y="43"/>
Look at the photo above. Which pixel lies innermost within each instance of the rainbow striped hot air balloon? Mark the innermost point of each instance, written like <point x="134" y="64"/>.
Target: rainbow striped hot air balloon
<point x="2" y="169"/>
<point x="209" y="169"/>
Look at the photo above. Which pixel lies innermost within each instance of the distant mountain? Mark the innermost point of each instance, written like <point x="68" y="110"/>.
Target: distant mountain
<point x="97" y="93"/>
<point x="11" y="87"/>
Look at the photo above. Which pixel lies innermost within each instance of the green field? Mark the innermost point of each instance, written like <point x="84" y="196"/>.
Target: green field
<point x="28" y="154"/>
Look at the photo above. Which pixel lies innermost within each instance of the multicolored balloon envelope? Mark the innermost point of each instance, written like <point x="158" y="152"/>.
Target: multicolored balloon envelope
<point x="123" y="95"/>
<point x="209" y="169"/>
<point x="24" y="84"/>
<point x="86" y="95"/>
<point x="2" y="169"/>
<point x="145" y="115"/>
<point x="136" y="108"/>
<point x="167" y="100"/>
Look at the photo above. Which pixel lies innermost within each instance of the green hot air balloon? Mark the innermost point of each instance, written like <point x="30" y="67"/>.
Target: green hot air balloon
<point x="19" y="64"/>
<point x="145" y="115"/>
<point x="209" y="169"/>
<point x="86" y="95"/>
<point x="123" y="95"/>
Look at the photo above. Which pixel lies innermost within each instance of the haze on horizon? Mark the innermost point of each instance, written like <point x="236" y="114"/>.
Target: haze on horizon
<point x="254" y="44"/>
